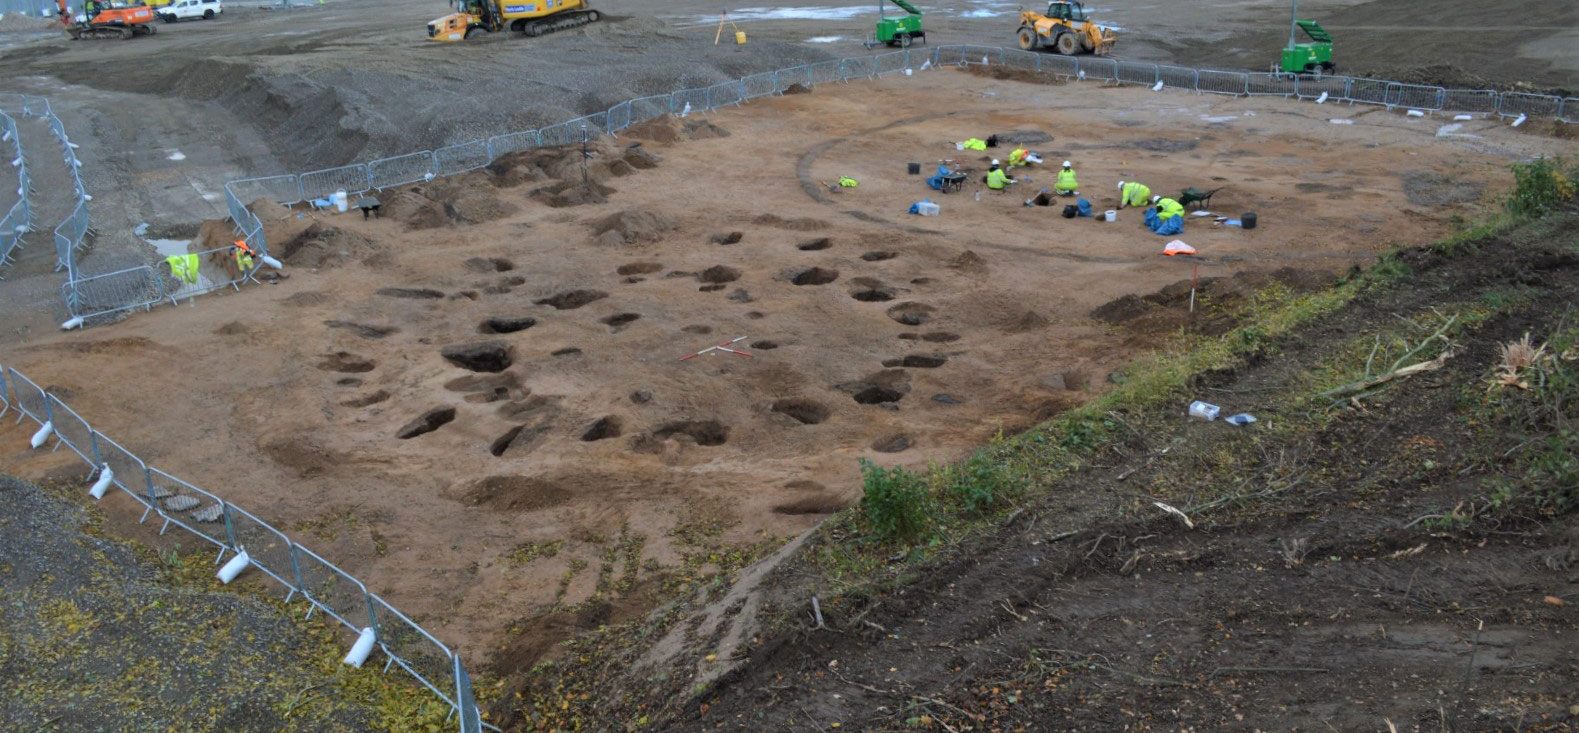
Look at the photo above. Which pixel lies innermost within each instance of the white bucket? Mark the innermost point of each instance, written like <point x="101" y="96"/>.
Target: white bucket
<point x="1110" y="215"/>
<point x="341" y="201"/>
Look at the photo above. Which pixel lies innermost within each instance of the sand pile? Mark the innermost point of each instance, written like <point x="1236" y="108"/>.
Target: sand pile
<point x="19" y="22"/>
<point x="323" y="245"/>
<point x="668" y="129"/>
<point x="630" y="227"/>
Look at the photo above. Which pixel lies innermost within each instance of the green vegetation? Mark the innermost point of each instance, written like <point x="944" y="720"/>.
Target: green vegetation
<point x="1534" y="396"/>
<point x="896" y="505"/>
<point x="1540" y="187"/>
<point x="528" y="551"/>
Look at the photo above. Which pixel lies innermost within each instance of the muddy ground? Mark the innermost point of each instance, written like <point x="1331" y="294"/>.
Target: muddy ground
<point x="1387" y="562"/>
<point x="475" y="399"/>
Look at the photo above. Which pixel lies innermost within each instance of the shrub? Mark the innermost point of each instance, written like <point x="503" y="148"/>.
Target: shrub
<point x="895" y="505"/>
<point x="979" y="485"/>
<point x="1539" y="186"/>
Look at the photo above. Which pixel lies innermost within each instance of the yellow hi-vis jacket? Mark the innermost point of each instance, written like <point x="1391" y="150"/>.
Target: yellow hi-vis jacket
<point x="975" y="143"/>
<point x="184" y="267"/>
<point x="1135" y="194"/>
<point x="997" y="179"/>
<point x="243" y="261"/>
<point x="1017" y="158"/>
<point x="1168" y="208"/>
<point x="1066" y="180"/>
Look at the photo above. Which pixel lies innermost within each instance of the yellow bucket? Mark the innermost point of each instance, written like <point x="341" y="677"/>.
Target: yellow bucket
<point x="740" y="38"/>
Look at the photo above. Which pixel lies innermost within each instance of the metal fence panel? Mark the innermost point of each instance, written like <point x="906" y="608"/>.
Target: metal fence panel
<point x="719" y="95"/>
<point x="514" y="142"/>
<point x="1024" y="60"/>
<point x="1236" y="83"/>
<point x="348" y="178"/>
<point x="948" y="55"/>
<point x="560" y="134"/>
<point x="758" y="85"/>
<point x="1129" y="72"/>
<point x="467" y="156"/>
<point x="280" y="189"/>
<point x="1415" y="96"/>
<point x="1569" y="111"/>
<point x="70" y="235"/>
<point x="400" y="170"/>
<point x="1534" y="105"/>
<point x="29" y="397"/>
<point x="332" y="590"/>
<point x="1060" y="65"/>
<point x="1097" y="69"/>
<point x="619" y="116"/>
<point x="1177" y="77"/>
<point x="72" y="430"/>
<point x="855" y="68"/>
<point x="1312" y="87"/>
<point x="188" y="507"/>
<point x="1483" y="101"/>
<point x="1279" y="85"/>
<point x="824" y="72"/>
<point x="128" y="472"/>
<point x="1368" y="91"/>
<point x="413" y="649"/>
<point x="269" y="548"/>
<point x="5" y="393"/>
<point x="137" y="287"/>
<point x="648" y="108"/>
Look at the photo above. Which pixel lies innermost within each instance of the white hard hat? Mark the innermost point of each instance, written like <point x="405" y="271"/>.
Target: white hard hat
<point x="1120" y="185"/>
<point x="994" y="161"/>
<point x="1155" y="199"/>
<point x="1066" y="164"/>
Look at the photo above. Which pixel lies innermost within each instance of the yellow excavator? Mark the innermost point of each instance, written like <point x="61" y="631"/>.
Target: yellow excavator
<point x="1065" y="29"/>
<point x="527" y="17"/>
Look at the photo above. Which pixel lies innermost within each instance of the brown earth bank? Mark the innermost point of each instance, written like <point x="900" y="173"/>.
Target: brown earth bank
<point x="1381" y="561"/>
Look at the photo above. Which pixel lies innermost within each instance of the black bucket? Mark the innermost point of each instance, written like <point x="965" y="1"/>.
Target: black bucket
<point x="914" y="169"/>
<point x="1071" y="211"/>
<point x="1248" y="221"/>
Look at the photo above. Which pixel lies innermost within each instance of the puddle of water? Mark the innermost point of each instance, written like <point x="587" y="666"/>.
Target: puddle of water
<point x="809" y="12"/>
<point x="983" y="13"/>
<point x="176" y="155"/>
<point x="167" y="247"/>
<point x="825" y="39"/>
<point x="1227" y="118"/>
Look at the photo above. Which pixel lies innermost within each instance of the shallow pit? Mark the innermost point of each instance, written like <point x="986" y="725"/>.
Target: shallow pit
<point x="702" y="432"/>
<point x="879" y="255"/>
<point x="572" y="299"/>
<point x="506" y="324"/>
<point x="426" y="423"/>
<point x="619" y="321"/>
<point x="513" y="494"/>
<point x="608" y="426"/>
<point x="719" y="274"/>
<point x="917" y="361"/>
<point x="414" y="293"/>
<point x="894" y="443"/>
<point x="815" y="245"/>
<point x="912" y="314"/>
<point x="489" y="264"/>
<point x="814" y="276"/>
<point x="638" y="268"/>
<point x="804" y="411"/>
<point x="479" y="356"/>
<point x="346" y="362"/>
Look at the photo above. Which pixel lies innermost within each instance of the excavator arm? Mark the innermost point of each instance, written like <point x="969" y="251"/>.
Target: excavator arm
<point x="907" y="7"/>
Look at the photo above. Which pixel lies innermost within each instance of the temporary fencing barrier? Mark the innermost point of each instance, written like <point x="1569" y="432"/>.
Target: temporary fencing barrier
<point x="18" y="219"/>
<point x="232" y="530"/>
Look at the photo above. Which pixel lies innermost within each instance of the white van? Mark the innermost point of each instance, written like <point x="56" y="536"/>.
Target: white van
<point x="190" y="9"/>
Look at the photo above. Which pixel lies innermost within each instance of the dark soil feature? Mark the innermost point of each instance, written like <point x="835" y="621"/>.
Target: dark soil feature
<point x="567" y="351"/>
<point x="878" y="255"/>
<point x="512" y="494"/>
<point x="815" y="245"/>
<point x="806" y="412"/>
<point x="1167" y="309"/>
<point x="1335" y="559"/>
<point x="701" y="432"/>
<point x="912" y="314"/>
<point x="608" y="426"/>
<point x="814" y="276"/>
<point x="728" y="238"/>
<point x="371" y="398"/>
<point x="895" y="443"/>
<point x="638" y="268"/>
<point x="764" y="345"/>
<point x="426" y="423"/>
<point x="479" y="356"/>
<point x="873" y="295"/>
<point x="414" y="293"/>
<point x="518" y="440"/>
<point x="719" y="274"/>
<point x="572" y="299"/>
<point x="889" y="385"/>
<point x="506" y="324"/>
<point x="818" y="504"/>
<point x="1425" y="188"/>
<point x="619" y="321"/>
<point x="489" y="264"/>
<point x="363" y="330"/>
<point x="917" y="361"/>
<point x="346" y="362"/>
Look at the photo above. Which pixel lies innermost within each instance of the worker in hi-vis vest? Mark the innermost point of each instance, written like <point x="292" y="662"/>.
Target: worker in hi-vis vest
<point x="1133" y="193"/>
<point x="996" y="178"/>
<point x="1168" y="208"/>
<point x="243" y="255"/>
<point x="1067" y="185"/>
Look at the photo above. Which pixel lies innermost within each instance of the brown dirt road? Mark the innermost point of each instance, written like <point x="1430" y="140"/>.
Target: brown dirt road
<point x="900" y="338"/>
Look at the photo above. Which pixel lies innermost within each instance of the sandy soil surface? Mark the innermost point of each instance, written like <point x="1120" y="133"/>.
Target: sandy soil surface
<point x="528" y="347"/>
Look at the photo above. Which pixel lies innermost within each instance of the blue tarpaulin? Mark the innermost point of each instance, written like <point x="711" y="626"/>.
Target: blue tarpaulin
<point x="1166" y="227"/>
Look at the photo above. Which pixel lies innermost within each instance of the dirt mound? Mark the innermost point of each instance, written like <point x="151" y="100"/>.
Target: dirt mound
<point x="477" y="206"/>
<point x="572" y="193"/>
<point x="1005" y="73"/>
<point x="323" y="245"/>
<point x="668" y="129"/>
<point x="20" y="22"/>
<point x="797" y="88"/>
<point x="467" y="200"/>
<point x="630" y="227"/>
<point x="415" y="210"/>
<point x="969" y="262"/>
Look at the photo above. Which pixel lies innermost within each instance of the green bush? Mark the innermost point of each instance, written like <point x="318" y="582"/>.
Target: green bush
<point x="895" y="505"/>
<point x="1539" y="186"/>
<point x="979" y="486"/>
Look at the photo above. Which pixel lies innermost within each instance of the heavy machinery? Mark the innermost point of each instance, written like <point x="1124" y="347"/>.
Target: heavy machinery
<point x="527" y="17"/>
<point x="1065" y="29"/>
<point x="901" y="30"/>
<point x="108" y="19"/>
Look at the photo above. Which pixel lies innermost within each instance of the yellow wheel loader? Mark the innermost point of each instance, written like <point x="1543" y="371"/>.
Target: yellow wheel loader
<point x="1065" y="29"/>
<point x="527" y="17"/>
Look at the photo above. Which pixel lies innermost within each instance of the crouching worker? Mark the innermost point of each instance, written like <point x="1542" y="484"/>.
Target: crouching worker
<point x="1067" y="185"/>
<point x="1133" y="193"/>
<point x="1166" y="218"/>
<point x="996" y="178"/>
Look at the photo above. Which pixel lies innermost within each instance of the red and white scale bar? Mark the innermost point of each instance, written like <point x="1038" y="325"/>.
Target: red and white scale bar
<point x="720" y="347"/>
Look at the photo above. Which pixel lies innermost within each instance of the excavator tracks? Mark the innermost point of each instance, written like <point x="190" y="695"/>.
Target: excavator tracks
<point x="106" y="32"/>
<point x="559" y="22"/>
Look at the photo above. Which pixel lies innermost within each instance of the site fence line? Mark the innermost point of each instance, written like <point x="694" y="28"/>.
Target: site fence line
<point x="18" y="219"/>
<point x="232" y="531"/>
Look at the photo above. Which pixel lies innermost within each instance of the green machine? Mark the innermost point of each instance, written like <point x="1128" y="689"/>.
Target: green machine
<point x="899" y="30"/>
<point x="1307" y="58"/>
